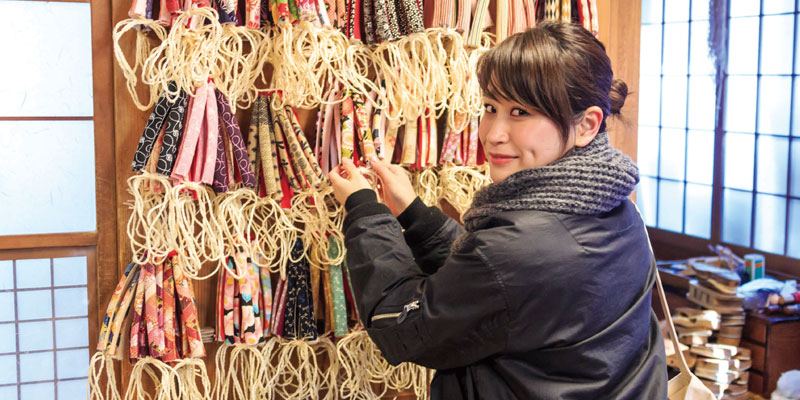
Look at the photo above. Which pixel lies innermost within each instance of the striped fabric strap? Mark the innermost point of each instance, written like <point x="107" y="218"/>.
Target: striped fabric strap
<point x="530" y="12"/>
<point x="409" y="155"/>
<point x="519" y="20"/>
<point x="502" y="26"/>
<point x="478" y="20"/>
<point x="595" y="24"/>
<point x="584" y="16"/>
<point x="433" y="140"/>
<point x="566" y="11"/>
<point x="463" y="10"/>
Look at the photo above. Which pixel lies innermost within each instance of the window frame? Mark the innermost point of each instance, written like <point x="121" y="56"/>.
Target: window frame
<point x="99" y="246"/>
<point x="671" y="245"/>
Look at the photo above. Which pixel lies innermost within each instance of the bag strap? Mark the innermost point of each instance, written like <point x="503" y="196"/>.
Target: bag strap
<point x="684" y="367"/>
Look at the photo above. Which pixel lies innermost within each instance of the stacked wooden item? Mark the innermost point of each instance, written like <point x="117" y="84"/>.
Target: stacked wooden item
<point x="712" y="332"/>
<point x="715" y="290"/>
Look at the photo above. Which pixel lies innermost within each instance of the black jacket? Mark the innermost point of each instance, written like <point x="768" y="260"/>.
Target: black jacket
<point x="536" y="305"/>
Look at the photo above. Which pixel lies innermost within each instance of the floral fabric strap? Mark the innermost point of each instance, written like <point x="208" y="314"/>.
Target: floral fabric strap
<point x="138" y="341"/>
<point x="168" y="292"/>
<point x="348" y="136"/>
<point x="122" y="285"/>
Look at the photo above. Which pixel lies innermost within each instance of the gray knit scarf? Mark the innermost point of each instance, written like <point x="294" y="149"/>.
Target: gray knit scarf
<point x="587" y="180"/>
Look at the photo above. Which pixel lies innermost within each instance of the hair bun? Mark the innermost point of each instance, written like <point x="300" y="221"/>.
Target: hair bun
<point x="617" y="95"/>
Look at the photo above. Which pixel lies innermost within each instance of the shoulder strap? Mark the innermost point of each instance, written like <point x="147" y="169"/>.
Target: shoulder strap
<point x="682" y="364"/>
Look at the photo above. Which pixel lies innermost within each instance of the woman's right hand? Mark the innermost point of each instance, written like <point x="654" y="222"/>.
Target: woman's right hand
<point x="398" y="193"/>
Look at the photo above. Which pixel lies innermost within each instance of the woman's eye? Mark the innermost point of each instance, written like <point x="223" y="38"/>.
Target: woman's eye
<point x="518" y="112"/>
<point x="489" y="108"/>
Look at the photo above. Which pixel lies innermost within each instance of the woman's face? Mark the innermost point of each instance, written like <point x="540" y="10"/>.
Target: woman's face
<point x="516" y="138"/>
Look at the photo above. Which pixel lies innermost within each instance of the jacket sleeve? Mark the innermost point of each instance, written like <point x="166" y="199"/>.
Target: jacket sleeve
<point x="429" y="233"/>
<point x="452" y="318"/>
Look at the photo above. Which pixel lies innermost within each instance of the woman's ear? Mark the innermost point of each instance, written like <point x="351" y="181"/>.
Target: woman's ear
<point x="587" y="128"/>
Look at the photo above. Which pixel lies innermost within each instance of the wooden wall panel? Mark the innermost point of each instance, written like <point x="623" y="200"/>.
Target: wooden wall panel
<point x="620" y="25"/>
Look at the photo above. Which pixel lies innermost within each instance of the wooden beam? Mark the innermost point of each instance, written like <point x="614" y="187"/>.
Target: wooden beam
<point x="620" y="30"/>
<point x="77" y="239"/>
<point x="105" y="270"/>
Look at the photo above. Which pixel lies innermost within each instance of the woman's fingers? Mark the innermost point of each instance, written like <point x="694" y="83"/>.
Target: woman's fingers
<point x="381" y="168"/>
<point x="351" y="169"/>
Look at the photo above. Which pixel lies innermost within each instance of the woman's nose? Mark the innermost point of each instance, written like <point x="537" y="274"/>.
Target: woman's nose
<point x="496" y="131"/>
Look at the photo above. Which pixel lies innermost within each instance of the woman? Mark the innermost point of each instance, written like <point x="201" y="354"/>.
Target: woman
<point x="545" y="292"/>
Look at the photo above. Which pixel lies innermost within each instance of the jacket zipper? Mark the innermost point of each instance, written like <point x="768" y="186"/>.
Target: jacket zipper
<point x="401" y="316"/>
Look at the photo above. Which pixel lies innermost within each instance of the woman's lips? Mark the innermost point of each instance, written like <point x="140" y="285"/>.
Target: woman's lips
<point x="500" y="159"/>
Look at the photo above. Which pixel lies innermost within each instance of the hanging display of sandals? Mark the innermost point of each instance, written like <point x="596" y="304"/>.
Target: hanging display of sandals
<point x="254" y="208"/>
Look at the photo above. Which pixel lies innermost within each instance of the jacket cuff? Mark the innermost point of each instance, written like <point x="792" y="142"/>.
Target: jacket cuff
<point x="360" y="204"/>
<point x="420" y="221"/>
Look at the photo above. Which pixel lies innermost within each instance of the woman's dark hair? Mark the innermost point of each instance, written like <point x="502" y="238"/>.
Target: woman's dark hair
<point x="558" y="69"/>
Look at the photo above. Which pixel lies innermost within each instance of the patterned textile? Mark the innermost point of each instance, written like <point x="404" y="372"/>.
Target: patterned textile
<point x="123" y="284"/>
<point x="115" y="333"/>
<point x="316" y="171"/>
<point x="236" y="141"/>
<point x="280" y="144"/>
<point x="152" y="307"/>
<point x="220" y="184"/>
<point x="299" y="321"/>
<point x="228" y="299"/>
<point x="191" y="135"/>
<point x="172" y="135"/>
<point x="168" y="293"/>
<point x="363" y="127"/>
<point x="268" y="167"/>
<point x="348" y="135"/>
<point x="337" y="290"/>
<point x="280" y="303"/>
<point x="369" y="29"/>
<point x="252" y="144"/>
<point x="152" y="129"/>
<point x="266" y="300"/>
<point x="227" y="13"/>
<point x="137" y="322"/>
<point x="187" y="308"/>
<point x="409" y="155"/>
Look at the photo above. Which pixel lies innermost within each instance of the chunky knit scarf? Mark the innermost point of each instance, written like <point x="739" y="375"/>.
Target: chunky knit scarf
<point x="587" y="180"/>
